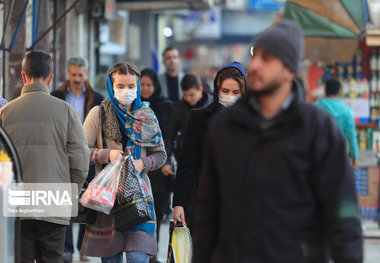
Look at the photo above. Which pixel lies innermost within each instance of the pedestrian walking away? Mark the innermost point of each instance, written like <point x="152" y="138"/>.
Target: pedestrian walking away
<point x="343" y="116"/>
<point x="52" y="148"/>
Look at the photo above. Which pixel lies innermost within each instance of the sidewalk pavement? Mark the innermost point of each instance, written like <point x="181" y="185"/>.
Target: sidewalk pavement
<point x="162" y="246"/>
<point x="371" y="232"/>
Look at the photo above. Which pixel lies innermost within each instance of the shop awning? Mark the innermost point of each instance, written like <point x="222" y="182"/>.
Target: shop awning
<point x="331" y="27"/>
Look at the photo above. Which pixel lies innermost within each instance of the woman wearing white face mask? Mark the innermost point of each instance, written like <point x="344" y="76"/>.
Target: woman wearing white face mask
<point x="122" y="122"/>
<point x="229" y="85"/>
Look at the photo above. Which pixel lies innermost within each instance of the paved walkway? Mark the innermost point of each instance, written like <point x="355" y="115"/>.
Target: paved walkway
<point x="162" y="246"/>
<point x="371" y="233"/>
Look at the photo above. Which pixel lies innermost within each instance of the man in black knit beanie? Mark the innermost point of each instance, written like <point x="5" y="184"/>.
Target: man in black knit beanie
<point x="276" y="183"/>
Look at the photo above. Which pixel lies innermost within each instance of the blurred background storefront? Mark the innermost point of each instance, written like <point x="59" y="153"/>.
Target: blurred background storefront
<point x="208" y="33"/>
<point x="342" y="39"/>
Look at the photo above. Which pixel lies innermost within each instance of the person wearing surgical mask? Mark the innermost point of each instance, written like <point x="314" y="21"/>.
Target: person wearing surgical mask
<point x="229" y="85"/>
<point x="123" y="123"/>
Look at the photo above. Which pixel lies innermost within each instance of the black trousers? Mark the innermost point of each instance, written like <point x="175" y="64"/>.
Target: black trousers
<point x="161" y="207"/>
<point x="41" y="241"/>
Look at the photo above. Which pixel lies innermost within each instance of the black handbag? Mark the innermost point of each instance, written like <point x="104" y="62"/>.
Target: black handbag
<point x="132" y="203"/>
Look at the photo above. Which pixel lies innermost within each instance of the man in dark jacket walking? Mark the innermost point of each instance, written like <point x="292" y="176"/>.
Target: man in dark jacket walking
<point x="170" y="80"/>
<point x="276" y="183"/>
<point x="77" y="92"/>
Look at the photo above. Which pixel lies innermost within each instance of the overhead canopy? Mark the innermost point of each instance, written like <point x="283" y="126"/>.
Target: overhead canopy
<point x="331" y="27"/>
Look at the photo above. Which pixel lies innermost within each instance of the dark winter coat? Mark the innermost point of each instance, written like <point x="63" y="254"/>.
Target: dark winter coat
<point x="278" y="193"/>
<point x="161" y="107"/>
<point x="191" y="153"/>
<point x="92" y="98"/>
<point x="177" y="123"/>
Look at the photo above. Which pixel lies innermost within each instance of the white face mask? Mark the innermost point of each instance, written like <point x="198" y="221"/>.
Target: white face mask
<point x="125" y="96"/>
<point x="227" y="100"/>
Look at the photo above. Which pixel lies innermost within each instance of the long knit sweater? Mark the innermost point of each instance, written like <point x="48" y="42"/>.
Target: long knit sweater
<point x="101" y="240"/>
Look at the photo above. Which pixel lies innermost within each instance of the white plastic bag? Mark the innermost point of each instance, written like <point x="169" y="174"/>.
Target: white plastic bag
<point x="100" y="194"/>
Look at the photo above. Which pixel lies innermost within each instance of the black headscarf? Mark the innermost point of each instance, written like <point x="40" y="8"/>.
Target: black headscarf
<point x="160" y="105"/>
<point x="157" y="87"/>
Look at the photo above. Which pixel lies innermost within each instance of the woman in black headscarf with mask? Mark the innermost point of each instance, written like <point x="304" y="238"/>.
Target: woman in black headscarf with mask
<point x="229" y="85"/>
<point x="151" y="92"/>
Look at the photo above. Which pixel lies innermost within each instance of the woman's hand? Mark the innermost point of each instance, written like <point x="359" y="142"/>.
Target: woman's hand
<point x="114" y="154"/>
<point x="139" y="165"/>
<point x="167" y="170"/>
<point x="179" y="215"/>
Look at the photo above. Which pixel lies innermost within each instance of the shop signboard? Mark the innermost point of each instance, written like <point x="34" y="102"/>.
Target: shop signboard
<point x="266" y="4"/>
<point x="198" y="25"/>
<point x="360" y="107"/>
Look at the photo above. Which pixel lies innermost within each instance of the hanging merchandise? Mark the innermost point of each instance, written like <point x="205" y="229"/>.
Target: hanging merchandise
<point x="362" y="140"/>
<point x="359" y="65"/>
<point x="345" y="89"/>
<point x="373" y="62"/>
<point x="341" y="71"/>
<point x="350" y="71"/>
<point x="373" y="83"/>
<point x="374" y="66"/>
<point x="365" y="88"/>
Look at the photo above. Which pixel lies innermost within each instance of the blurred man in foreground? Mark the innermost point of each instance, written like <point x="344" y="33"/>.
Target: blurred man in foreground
<point x="276" y="183"/>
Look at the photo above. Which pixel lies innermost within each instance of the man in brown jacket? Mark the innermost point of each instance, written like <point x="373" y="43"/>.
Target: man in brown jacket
<point x="50" y="142"/>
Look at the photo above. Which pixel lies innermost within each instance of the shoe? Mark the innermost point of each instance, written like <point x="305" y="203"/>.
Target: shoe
<point x="83" y="258"/>
<point x="67" y="257"/>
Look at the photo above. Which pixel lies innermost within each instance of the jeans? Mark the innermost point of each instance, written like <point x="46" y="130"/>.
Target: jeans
<point x="132" y="257"/>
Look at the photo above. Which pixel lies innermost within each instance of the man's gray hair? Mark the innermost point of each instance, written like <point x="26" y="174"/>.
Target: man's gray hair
<point x="77" y="61"/>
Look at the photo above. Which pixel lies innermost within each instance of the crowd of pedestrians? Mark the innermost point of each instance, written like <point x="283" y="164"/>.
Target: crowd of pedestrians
<point x="256" y="173"/>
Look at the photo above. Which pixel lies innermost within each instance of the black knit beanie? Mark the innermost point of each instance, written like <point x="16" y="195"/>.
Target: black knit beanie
<point x="285" y="41"/>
